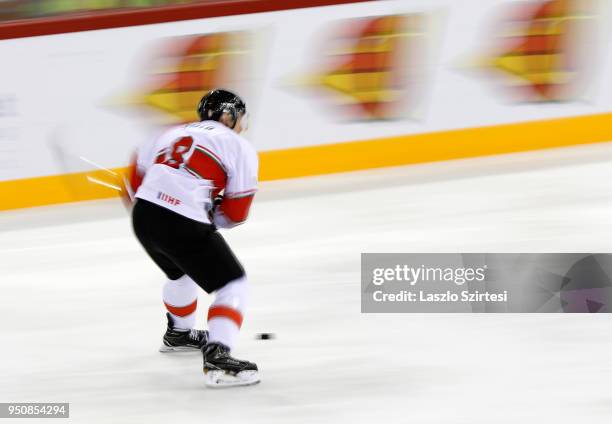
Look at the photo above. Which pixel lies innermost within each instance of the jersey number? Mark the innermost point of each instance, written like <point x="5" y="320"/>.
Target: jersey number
<point x="177" y="155"/>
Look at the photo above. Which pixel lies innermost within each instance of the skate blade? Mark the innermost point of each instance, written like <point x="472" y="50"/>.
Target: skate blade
<point x="220" y="379"/>
<point x="167" y="349"/>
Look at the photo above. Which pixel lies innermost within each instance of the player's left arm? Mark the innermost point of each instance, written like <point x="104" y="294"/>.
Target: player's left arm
<point x="239" y="192"/>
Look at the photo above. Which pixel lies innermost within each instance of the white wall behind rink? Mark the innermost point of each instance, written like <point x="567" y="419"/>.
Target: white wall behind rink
<point x="62" y="89"/>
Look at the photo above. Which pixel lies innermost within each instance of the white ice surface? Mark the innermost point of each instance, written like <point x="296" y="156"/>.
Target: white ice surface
<point x="81" y="317"/>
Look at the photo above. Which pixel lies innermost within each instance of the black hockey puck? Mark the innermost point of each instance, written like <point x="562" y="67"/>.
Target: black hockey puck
<point x="265" y="336"/>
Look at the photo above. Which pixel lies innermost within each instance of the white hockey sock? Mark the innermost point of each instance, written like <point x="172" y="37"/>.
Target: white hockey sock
<point x="181" y="300"/>
<point x="226" y="312"/>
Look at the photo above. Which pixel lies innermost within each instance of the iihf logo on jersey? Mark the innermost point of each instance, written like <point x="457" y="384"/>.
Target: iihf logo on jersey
<point x="168" y="199"/>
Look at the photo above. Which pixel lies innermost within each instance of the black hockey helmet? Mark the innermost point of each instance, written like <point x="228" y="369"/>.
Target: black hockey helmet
<point x="219" y="101"/>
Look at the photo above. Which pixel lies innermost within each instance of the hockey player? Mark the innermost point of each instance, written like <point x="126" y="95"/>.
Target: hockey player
<point x="187" y="182"/>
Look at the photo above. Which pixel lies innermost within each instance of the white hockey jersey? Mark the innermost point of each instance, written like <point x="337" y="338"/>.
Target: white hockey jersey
<point x="189" y="165"/>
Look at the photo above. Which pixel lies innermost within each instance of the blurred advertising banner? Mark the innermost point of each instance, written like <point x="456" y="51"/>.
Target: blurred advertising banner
<point x="543" y="51"/>
<point x="371" y="68"/>
<point x="182" y="69"/>
<point x="486" y="282"/>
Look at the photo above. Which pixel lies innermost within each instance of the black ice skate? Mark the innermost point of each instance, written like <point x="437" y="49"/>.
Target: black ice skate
<point x="182" y="340"/>
<point x="222" y="370"/>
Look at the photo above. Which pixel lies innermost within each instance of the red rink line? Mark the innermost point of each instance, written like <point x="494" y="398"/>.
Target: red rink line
<point x="124" y="18"/>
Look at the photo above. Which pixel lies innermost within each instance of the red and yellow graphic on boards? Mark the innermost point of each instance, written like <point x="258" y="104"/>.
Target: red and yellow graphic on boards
<point x="185" y="68"/>
<point x="368" y="65"/>
<point x="539" y="51"/>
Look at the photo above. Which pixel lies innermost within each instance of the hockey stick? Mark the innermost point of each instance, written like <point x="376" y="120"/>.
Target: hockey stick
<point x="124" y="187"/>
<point x="125" y="184"/>
<point x="102" y="183"/>
<point x="101" y="176"/>
<point x="100" y="167"/>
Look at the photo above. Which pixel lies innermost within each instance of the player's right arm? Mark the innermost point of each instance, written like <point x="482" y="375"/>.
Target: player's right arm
<point x="135" y="174"/>
<point x="142" y="159"/>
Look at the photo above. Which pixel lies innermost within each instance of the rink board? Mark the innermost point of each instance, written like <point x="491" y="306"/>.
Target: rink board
<point x="100" y="93"/>
<point x="343" y="157"/>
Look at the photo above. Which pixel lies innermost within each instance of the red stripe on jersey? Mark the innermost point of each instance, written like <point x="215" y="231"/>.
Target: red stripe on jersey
<point x="220" y="311"/>
<point x="135" y="178"/>
<point x="208" y="168"/>
<point x="237" y="209"/>
<point x="161" y="156"/>
<point x="210" y="152"/>
<point x="242" y="193"/>
<point x="182" y="311"/>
